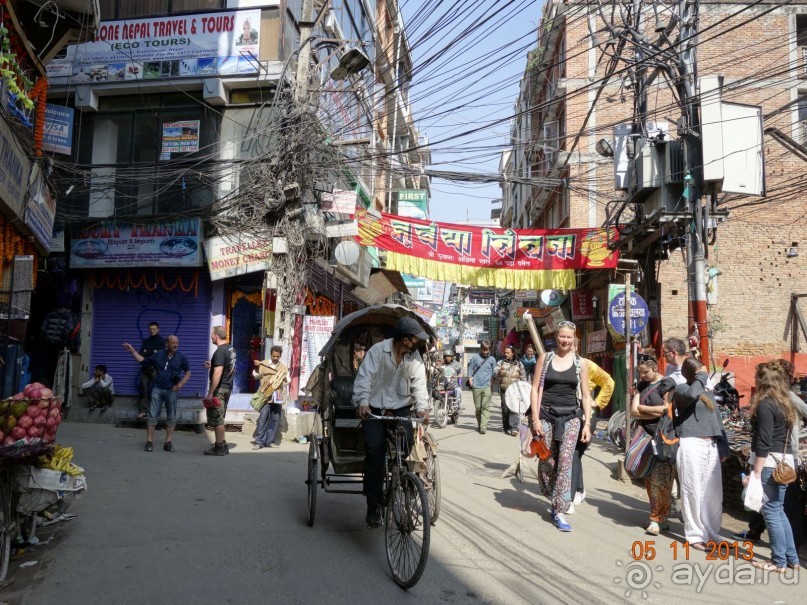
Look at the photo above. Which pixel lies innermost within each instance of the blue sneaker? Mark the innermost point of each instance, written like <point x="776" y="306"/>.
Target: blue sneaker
<point x="561" y="523"/>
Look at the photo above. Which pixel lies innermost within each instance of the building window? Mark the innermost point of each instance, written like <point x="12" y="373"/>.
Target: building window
<point x="801" y="43"/>
<point x="127" y="9"/>
<point x="801" y="134"/>
<point x="132" y="160"/>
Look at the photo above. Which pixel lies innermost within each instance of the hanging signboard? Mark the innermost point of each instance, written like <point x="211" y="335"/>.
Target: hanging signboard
<point x="316" y="332"/>
<point x="238" y="254"/>
<point x="526" y="295"/>
<point x="473" y="309"/>
<point x="40" y="210"/>
<point x="58" y="136"/>
<point x="15" y="170"/>
<point x="223" y="43"/>
<point x="339" y="202"/>
<point x="582" y="305"/>
<point x="423" y="312"/>
<point x="110" y="243"/>
<point x="482" y="256"/>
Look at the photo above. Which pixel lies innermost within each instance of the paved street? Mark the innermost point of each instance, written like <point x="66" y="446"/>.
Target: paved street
<point x="184" y="528"/>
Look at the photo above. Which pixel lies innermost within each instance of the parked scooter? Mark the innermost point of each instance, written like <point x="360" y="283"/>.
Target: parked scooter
<point x="724" y="391"/>
<point x="446" y="403"/>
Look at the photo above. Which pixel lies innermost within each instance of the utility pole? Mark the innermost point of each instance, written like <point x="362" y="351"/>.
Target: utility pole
<point x="306" y="26"/>
<point x="696" y="262"/>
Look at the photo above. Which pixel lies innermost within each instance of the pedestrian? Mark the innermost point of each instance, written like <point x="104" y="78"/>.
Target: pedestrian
<point x="172" y="373"/>
<point x="481" y="369"/>
<point x="558" y="405"/>
<point x="648" y="406"/>
<point x="274" y="377"/>
<point x="772" y="418"/>
<point x="222" y="369"/>
<point x="359" y="351"/>
<point x="675" y="353"/>
<point x="793" y="501"/>
<point x="391" y="381"/>
<point x="509" y="370"/>
<point x="528" y="360"/>
<point x="150" y="346"/>
<point x="701" y="449"/>
<point x="99" y="389"/>
<point x="599" y="381"/>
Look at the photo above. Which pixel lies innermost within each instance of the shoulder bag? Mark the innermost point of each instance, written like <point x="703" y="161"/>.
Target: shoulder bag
<point x="468" y="383"/>
<point x="639" y="459"/>
<point x="784" y="474"/>
<point x="666" y="439"/>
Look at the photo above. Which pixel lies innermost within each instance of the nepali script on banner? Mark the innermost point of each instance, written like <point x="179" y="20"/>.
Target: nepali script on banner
<point x="481" y="256"/>
<point x="118" y="244"/>
<point x="316" y="333"/>
<point x="196" y="45"/>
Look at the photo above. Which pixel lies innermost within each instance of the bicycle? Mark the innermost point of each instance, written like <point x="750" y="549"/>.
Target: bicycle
<point x="406" y="509"/>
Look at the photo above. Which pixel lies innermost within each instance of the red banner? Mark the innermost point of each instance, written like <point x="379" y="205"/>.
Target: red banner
<point x="486" y="256"/>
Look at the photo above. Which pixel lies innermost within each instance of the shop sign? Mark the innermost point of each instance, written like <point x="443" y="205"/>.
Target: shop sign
<point x="423" y="312"/>
<point x="58" y="136"/>
<point x="477" y="309"/>
<point x="223" y="43"/>
<point x="526" y="295"/>
<point x="340" y="202"/>
<point x="119" y="244"/>
<point x="57" y="240"/>
<point x="597" y="342"/>
<point x="231" y="255"/>
<point x="15" y="169"/>
<point x="582" y="305"/>
<point x="40" y="211"/>
<point x="553" y="319"/>
<point x="316" y="332"/>
<point x="483" y="293"/>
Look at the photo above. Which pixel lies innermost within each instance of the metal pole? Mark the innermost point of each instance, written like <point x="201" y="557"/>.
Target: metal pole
<point x="628" y="364"/>
<point x="306" y="25"/>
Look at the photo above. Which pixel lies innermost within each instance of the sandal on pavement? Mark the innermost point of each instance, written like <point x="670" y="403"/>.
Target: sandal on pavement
<point x="768" y="566"/>
<point x="699" y="546"/>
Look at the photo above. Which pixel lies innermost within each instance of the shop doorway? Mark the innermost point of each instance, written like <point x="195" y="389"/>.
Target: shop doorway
<point x="244" y="317"/>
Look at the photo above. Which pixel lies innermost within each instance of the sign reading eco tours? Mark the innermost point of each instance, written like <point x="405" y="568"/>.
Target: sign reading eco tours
<point x="231" y="255"/>
<point x="110" y="243"/>
<point x="224" y="43"/>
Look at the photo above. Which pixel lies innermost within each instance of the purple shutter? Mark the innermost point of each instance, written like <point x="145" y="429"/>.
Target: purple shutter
<point x="123" y="316"/>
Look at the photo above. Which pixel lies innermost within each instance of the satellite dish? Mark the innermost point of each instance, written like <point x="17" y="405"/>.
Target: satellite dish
<point x="517" y="397"/>
<point x="552" y="298"/>
<point x="347" y="253"/>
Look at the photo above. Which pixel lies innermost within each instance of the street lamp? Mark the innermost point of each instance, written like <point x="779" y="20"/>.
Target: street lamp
<point x="352" y="62"/>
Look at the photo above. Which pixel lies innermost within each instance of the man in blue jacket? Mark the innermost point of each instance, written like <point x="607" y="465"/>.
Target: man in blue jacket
<point x="480" y="375"/>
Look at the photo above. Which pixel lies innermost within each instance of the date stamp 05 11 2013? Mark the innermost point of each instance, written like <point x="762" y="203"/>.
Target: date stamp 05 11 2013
<point x="715" y="551"/>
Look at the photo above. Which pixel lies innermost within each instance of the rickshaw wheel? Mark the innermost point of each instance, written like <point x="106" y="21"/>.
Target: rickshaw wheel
<point x="407" y="531"/>
<point x="7" y="524"/>
<point x="433" y="477"/>
<point x="312" y="481"/>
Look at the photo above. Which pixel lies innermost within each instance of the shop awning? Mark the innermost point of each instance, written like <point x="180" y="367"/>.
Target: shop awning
<point x="383" y="284"/>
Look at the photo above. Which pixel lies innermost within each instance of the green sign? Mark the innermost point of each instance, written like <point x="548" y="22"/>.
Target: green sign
<point x="414" y="197"/>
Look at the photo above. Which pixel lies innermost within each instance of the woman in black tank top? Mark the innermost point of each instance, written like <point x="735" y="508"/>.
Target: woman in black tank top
<point x="558" y="407"/>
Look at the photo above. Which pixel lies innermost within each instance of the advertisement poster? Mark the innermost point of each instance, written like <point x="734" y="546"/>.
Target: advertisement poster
<point x="40" y="211"/>
<point x="110" y="243"/>
<point x="316" y="332"/>
<point x="181" y="137"/>
<point x="523" y="259"/>
<point x="58" y="136"/>
<point x="15" y="170"/>
<point x="237" y="254"/>
<point x="596" y="342"/>
<point x="223" y="43"/>
<point x="339" y="202"/>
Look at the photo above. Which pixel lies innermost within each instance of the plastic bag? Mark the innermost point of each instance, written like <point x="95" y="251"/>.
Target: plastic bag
<point x="753" y="496"/>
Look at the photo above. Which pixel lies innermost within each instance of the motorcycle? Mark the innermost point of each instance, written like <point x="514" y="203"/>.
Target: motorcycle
<point x="446" y="403"/>
<point x="724" y="391"/>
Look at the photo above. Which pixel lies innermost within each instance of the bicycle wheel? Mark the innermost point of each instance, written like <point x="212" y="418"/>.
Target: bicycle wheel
<point x="6" y="526"/>
<point x="441" y="413"/>
<point x="312" y="481"/>
<point x="432" y="480"/>
<point x="407" y="531"/>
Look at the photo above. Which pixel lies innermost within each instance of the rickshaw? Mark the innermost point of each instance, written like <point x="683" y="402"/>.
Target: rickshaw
<point x="411" y="501"/>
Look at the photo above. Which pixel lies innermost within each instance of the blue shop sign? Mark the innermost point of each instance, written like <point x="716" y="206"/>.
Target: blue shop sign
<point x="639" y="314"/>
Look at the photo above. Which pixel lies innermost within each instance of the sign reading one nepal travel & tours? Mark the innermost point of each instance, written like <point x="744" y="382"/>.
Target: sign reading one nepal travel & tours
<point x="483" y="256"/>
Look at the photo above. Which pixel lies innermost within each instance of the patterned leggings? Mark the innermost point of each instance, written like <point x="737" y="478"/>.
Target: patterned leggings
<point x="658" y="484"/>
<point x="555" y="473"/>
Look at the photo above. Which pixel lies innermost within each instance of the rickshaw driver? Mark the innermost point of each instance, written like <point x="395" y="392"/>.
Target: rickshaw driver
<point x="390" y="380"/>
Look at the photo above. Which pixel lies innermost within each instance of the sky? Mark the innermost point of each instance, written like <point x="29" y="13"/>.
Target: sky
<point x="474" y="83"/>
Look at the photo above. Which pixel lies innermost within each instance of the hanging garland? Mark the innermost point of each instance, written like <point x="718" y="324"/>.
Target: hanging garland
<point x="13" y="243"/>
<point x="320" y="306"/>
<point x="39" y="94"/>
<point x="129" y="282"/>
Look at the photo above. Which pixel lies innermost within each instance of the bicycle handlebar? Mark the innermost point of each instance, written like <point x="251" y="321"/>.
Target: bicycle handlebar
<point x="396" y="418"/>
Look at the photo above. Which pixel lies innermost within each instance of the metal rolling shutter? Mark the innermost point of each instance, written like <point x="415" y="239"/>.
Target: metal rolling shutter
<point x="123" y="316"/>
